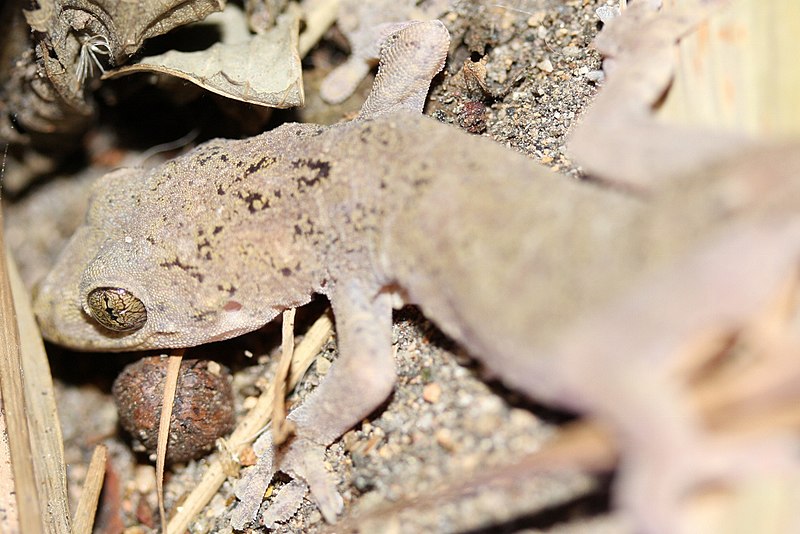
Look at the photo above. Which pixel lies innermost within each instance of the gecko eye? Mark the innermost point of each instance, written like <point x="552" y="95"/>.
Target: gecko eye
<point x="117" y="309"/>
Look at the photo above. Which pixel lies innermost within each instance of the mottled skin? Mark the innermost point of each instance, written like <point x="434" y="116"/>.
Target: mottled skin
<point x="504" y="255"/>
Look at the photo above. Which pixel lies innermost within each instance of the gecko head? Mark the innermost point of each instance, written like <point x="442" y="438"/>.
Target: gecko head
<point x="125" y="298"/>
<point x="136" y="276"/>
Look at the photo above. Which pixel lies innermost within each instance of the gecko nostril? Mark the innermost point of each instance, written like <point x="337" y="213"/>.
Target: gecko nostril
<point x="116" y="309"/>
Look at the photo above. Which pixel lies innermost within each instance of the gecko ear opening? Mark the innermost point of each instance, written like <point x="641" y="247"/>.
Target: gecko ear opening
<point x="116" y="309"/>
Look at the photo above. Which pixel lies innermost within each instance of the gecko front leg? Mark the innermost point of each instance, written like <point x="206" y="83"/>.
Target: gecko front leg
<point x="360" y="380"/>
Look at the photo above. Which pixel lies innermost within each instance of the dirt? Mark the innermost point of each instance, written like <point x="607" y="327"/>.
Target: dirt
<point x="446" y="420"/>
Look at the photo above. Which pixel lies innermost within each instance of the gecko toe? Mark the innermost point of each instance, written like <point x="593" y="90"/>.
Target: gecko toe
<point x="285" y="504"/>
<point x="304" y="459"/>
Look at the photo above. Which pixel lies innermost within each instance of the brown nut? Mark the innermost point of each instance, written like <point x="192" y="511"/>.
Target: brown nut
<point x="202" y="412"/>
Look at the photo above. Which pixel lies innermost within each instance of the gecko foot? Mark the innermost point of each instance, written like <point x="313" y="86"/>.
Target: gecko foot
<point x="304" y="460"/>
<point x="300" y="458"/>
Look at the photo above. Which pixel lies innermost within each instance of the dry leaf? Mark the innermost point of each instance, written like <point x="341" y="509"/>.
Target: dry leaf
<point x="125" y="25"/>
<point x="259" y="69"/>
<point x="73" y="41"/>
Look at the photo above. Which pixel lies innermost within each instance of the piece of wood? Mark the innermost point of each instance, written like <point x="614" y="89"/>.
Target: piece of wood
<point x="11" y="387"/>
<point x="9" y="520"/>
<point x="87" y="504"/>
<point x="47" y="443"/>
<point x="737" y="70"/>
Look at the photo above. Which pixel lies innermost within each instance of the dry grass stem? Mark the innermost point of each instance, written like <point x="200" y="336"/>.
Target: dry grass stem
<point x="280" y="428"/>
<point x="170" y="386"/>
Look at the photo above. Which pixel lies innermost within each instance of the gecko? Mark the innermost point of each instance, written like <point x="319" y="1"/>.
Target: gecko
<point x="503" y="254"/>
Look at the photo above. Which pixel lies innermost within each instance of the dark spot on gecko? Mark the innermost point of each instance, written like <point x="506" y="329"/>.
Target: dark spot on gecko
<point x="286" y="271"/>
<point x="313" y="133"/>
<point x="321" y="169"/>
<point x="217" y="229"/>
<point x="190" y="269"/>
<point x="364" y="134"/>
<point x="204" y="249"/>
<point x="203" y="316"/>
<point x="220" y="190"/>
<point x="266" y="161"/>
<point x="277" y="193"/>
<point x="231" y="290"/>
<point x="255" y="201"/>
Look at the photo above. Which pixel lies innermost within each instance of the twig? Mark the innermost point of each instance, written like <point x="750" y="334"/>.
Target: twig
<point x="319" y="16"/>
<point x="87" y="505"/>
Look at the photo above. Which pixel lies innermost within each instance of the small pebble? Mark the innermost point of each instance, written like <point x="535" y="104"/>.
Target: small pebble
<point x="545" y="65"/>
<point x="432" y="392"/>
<point x="249" y="402"/>
<point x="445" y="438"/>
<point x="145" y="478"/>
<point x="323" y="366"/>
<point x="314" y="518"/>
<point x="247" y="457"/>
<point x="473" y="117"/>
<point x="536" y="19"/>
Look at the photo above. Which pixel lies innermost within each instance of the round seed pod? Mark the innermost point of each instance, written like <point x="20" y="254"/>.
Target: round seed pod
<point x="202" y="411"/>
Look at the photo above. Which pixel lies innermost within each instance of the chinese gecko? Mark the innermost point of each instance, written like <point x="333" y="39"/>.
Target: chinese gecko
<point x="502" y="254"/>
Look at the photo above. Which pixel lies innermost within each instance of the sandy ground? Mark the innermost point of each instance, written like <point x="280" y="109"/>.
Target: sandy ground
<point x="445" y="419"/>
